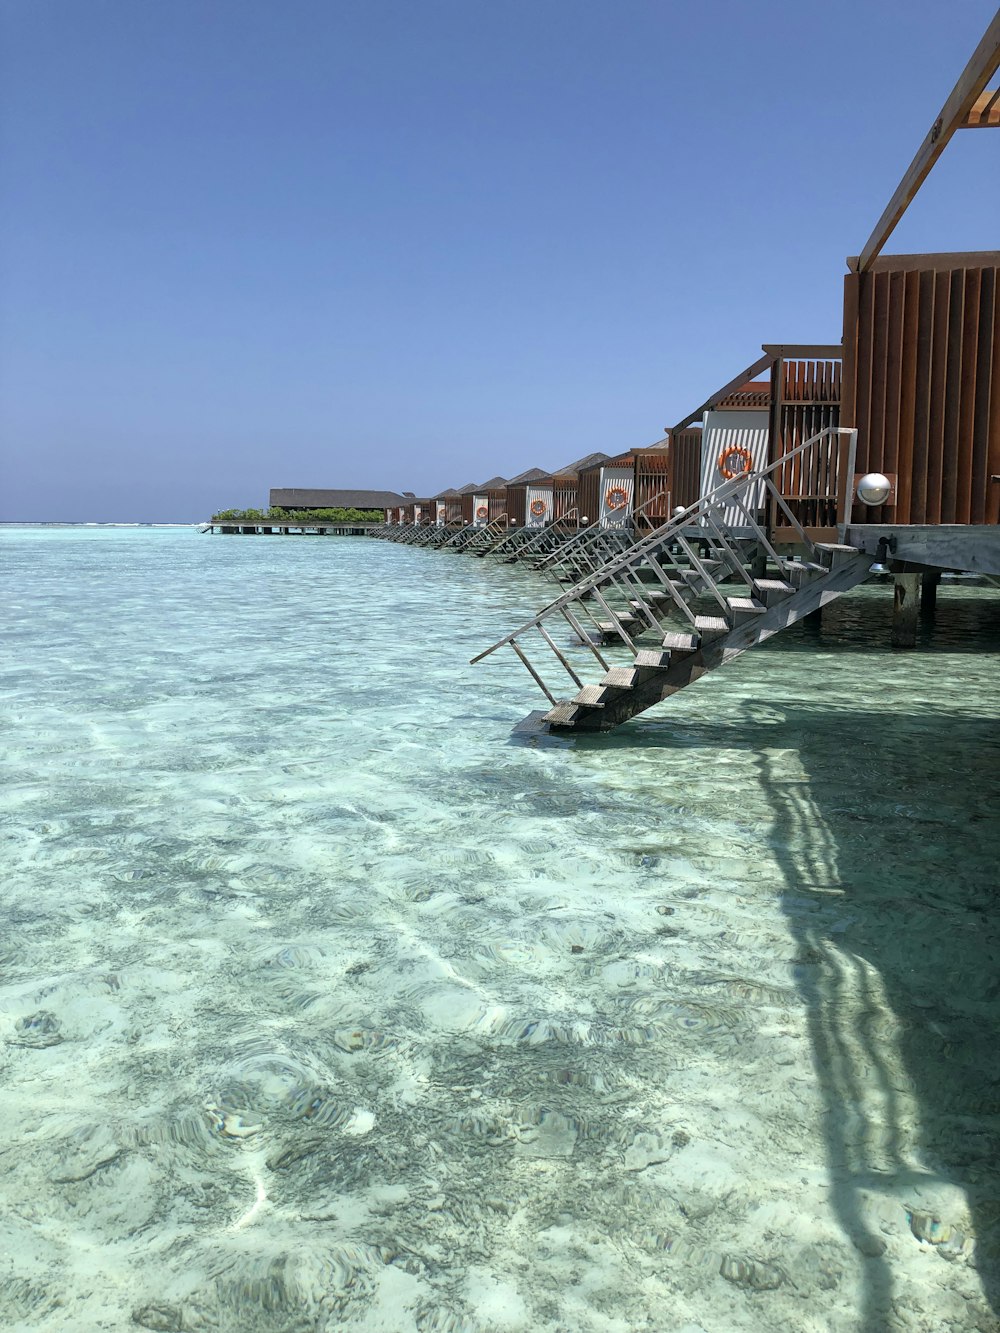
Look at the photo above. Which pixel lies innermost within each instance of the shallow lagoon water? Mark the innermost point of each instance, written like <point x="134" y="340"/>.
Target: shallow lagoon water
<point x="324" y="1004"/>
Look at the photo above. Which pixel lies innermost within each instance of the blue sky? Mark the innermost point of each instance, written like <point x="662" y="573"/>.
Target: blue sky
<point x="413" y="243"/>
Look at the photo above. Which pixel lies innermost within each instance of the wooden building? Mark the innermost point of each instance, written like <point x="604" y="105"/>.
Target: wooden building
<point x="922" y="387"/>
<point x="518" y="504"/>
<point x="884" y="447"/>
<point x="291" y="499"/>
<point x="566" y="487"/>
<point x="487" y="502"/>
<point x="667" y="477"/>
<point x="448" y="508"/>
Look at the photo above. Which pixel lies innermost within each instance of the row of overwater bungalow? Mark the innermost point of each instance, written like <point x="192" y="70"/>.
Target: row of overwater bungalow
<point x="773" y="496"/>
<point x="744" y="425"/>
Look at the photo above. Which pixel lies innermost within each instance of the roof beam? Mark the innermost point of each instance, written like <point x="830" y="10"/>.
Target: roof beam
<point x="763" y="363"/>
<point x="954" y="115"/>
<point x="805" y="351"/>
<point x="985" y="112"/>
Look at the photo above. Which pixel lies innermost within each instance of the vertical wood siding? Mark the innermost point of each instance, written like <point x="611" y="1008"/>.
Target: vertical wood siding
<point x="922" y="385"/>
<point x="564" y="496"/>
<point x="589" y="493"/>
<point x="652" y="492"/>
<point x="685" y="466"/>
<point x="805" y="398"/>
<point x="516" y="503"/>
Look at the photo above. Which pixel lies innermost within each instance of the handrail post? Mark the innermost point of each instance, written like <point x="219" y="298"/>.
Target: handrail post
<point x="848" y="482"/>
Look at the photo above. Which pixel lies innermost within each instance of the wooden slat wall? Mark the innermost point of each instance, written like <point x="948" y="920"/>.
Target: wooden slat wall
<point x="516" y="503"/>
<point x="685" y="466"/>
<point x="564" y="496"/>
<point x="922" y="384"/>
<point x="588" y="496"/>
<point x="652" y="489"/>
<point x="805" y="397"/>
<point x="498" y="503"/>
<point x="675" y="470"/>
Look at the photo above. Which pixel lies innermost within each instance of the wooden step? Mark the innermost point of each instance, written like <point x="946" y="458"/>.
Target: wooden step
<point x="681" y="641"/>
<point x="771" y="591"/>
<point x="591" y="696"/>
<point x="562" y="715"/>
<point x="799" y="572"/>
<point x="742" y="609"/>
<point x="833" y="554"/>
<point x="712" y="627"/>
<point x="612" y="628"/>
<point x="619" y="678"/>
<point x="654" y="657"/>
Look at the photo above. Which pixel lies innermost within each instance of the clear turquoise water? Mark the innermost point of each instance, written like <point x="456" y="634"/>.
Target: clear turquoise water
<point x="325" y="1005"/>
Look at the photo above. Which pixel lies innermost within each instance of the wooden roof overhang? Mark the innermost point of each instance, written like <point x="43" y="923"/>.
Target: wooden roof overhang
<point x="970" y="105"/>
<point x="773" y="352"/>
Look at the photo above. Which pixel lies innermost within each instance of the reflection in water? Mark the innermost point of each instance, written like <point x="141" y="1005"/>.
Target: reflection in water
<point x="323" y="1007"/>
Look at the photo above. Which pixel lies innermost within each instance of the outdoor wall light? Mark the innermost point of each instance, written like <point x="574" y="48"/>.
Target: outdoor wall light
<point x="679" y="510"/>
<point x="585" y="519"/>
<point x="874" y="488"/>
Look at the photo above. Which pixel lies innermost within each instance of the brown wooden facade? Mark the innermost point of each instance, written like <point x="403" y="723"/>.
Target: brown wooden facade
<point x="667" y="475"/>
<point x="804" y="400"/>
<point x="468" y="494"/>
<point x="496" y="492"/>
<point x="922" y="384"/>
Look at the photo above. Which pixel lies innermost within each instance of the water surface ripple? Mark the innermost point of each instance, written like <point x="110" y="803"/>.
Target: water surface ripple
<point x="324" y="1005"/>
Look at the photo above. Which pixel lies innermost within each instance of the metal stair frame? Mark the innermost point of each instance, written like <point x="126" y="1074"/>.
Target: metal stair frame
<point x="700" y="522"/>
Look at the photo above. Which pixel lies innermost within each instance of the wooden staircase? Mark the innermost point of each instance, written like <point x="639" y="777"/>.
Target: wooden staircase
<point x="700" y="589"/>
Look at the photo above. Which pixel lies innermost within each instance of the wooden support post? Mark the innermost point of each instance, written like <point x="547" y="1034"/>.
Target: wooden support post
<point x="814" y="619"/>
<point x="905" y="609"/>
<point x="758" y="566"/>
<point x="928" y="595"/>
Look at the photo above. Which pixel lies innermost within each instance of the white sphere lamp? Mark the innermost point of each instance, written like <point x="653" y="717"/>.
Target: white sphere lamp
<point x="874" y="488"/>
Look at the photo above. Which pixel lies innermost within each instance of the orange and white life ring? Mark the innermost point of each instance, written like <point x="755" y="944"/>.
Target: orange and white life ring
<point x="537" y="508"/>
<point x="616" y="497"/>
<point x="737" y="453"/>
<point x="482" y="511"/>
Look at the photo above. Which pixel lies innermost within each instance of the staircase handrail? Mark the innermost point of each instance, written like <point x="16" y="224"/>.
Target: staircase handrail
<point x="712" y="501"/>
<point x="539" y="537"/>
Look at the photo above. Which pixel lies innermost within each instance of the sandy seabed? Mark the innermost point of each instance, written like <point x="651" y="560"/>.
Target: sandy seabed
<point x="323" y="1005"/>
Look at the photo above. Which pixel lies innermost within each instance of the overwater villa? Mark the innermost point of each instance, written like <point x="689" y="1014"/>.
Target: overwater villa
<point x="773" y="496"/>
<point x="883" y="448"/>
